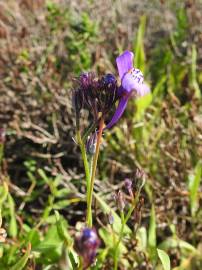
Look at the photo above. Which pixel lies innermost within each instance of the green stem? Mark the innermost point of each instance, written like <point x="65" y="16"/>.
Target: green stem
<point x="1" y="152"/>
<point x="94" y="166"/>
<point x="85" y="162"/>
<point x="119" y="240"/>
<point x="124" y="220"/>
<point x="80" y="267"/>
<point x="88" y="131"/>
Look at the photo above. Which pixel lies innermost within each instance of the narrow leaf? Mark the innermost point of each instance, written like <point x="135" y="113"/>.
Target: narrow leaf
<point x="194" y="182"/>
<point x="13" y="230"/>
<point x="152" y="229"/>
<point x="165" y="260"/>
<point x="152" y="235"/>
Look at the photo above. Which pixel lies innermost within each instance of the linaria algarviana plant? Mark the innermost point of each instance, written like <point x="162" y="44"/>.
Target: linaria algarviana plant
<point x="105" y="102"/>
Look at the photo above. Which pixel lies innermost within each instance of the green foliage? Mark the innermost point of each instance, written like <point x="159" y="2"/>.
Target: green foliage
<point x="84" y="31"/>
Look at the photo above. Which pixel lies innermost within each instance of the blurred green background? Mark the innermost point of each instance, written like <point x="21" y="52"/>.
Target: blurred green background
<point x="43" y="46"/>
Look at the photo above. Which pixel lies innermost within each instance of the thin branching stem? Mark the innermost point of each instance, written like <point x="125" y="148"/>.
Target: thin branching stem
<point x="124" y="220"/>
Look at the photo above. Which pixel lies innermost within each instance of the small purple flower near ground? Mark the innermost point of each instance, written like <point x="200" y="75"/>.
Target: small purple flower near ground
<point x="132" y="81"/>
<point x="86" y="246"/>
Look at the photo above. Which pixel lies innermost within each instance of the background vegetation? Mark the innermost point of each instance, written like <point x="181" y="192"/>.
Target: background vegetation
<point x="43" y="45"/>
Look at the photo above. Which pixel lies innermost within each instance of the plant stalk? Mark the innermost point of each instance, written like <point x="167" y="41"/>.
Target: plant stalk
<point x="85" y="162"/>
<point x="124" y="220"/>
<point x="94" y="166"/>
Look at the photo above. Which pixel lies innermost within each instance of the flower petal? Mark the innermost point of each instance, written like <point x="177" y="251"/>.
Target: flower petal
<point x="119" y="111"/>
<point x="130" y="83"/>
<point x="124" y="63"/>
<point x="144" y="90"/>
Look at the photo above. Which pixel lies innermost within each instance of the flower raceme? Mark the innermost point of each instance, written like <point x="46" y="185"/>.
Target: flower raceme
<point x="99" y="96"/>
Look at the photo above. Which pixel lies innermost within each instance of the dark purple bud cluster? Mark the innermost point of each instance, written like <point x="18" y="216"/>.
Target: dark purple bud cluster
<point x="86" y="246"/>
<point x="97" y="95"/>
<point x="108" y="93"/>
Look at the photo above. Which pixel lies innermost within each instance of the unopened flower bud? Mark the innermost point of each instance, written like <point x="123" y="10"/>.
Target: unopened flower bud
<point x="86" y="246"/>
<point x="120" y="200"/>
<point x="140" y="179"/>
<point x="108" y="80"/>
<point x="138" y="210"/>
<point x="110" y="218"/>
<point x="91" y="144"/>
<point x="128" y="183"/>
<point x="128" y="186"/>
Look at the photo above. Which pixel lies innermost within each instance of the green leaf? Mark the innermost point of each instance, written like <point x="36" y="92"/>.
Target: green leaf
<point x="157" y="90"/>
<point x="51" y="241"/>
<point x="152" y="229"/>
<point x="62" y="229"/>
<point x="194" y="82"/>
<point x="13" y="230"/>
<point x="194" y="182"/>
<point x="3" y="193"/>
<point x="139" y="45"/>
<point x="152" y="234"/>
<point x="32" y="237"/>
<point x="61" y="204"/>
<point x="142" y="238"/>
<point x="171" y="243"/>
<point x="165" y="260"/>
<point x="72" y="260"/>
<point x="22" y="262"/>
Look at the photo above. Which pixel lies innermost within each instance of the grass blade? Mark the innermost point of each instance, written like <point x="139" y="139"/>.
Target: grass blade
<point x="194" y="182"/>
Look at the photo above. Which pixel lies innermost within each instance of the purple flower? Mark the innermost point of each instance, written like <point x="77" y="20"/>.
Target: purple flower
<point x="86" y="246"/>
<point x="132" y="81"/>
